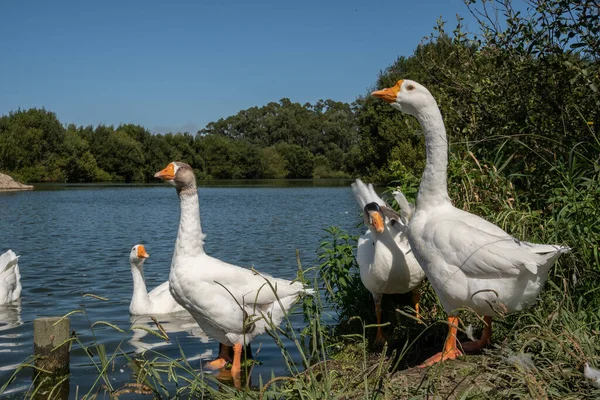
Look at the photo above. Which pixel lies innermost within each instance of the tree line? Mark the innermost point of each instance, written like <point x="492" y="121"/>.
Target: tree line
<point x="521" y="93"/>
<point x="279" y="140"/>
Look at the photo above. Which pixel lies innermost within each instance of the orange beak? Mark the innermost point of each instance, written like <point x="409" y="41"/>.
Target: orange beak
<point x="389" y="94"/>
<point x="141" y="252"/>
<point x="167" y="174"/>
<point x="376" y="221"/>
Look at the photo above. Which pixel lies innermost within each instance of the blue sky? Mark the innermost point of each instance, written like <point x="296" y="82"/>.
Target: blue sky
<point x="178" y="65"/>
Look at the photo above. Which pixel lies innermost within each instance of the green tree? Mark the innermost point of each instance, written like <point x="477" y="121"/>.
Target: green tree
<point x="299" y="160"/>
<point x="30" y="143"/>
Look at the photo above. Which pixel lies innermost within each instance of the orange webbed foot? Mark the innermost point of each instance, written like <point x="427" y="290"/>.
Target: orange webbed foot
<point x="216" y="364"/>
<point x="222" y="360"/>
<point x="442" y="356"/>
<point x="450" y="351"/>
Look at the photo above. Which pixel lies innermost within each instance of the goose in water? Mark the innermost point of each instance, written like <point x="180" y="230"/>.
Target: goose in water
<point x="231" y="304"/>
<point x="10" y="278"/>
<point x="159" y="300"/>
<point x="469" y="261"/>
<point x="387" y="264"/>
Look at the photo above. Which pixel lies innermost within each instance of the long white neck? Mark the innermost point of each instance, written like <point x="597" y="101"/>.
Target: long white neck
<point x="434" y="186"/>
<point x="140" y="298"/>
<point x="190" y="239"/>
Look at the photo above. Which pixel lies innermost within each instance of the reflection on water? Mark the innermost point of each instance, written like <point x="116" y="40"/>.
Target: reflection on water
<point x="10" y="338"/>
<point x="75" y="239"/>
<point x="148" y="331"/>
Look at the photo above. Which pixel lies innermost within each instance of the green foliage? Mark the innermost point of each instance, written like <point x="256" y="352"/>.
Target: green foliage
<point x="339" y="274"/>
<point x="299" y="160"/>
<point x="279" y="140"/>
<point x="30" y="144"/>
<point x="272" y="164"/>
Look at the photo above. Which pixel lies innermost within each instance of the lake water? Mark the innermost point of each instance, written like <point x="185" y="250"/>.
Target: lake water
<point x="75" y="239"/>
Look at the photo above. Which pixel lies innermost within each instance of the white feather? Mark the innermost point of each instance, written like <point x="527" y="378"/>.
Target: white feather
<point x="10" y="277"/>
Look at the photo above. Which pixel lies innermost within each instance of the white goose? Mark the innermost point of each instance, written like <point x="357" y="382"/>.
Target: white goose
<point x="387" y="264"/>
<point x="469" y="261"/>
<point x="10" y="278"/>
<point x="159" y="300"/>
<point x="231" y="304"/>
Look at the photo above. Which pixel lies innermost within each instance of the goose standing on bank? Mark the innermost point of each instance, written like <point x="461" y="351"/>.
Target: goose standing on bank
<point x="469" y="261"/>
<point x="10" y="278"/>
<point x="387" y="264"/>
<point x="230" y="303"/>
<point x="159" y="300"/>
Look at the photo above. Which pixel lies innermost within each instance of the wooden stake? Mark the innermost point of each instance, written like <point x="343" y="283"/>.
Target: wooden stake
<point x="48" y="333"/>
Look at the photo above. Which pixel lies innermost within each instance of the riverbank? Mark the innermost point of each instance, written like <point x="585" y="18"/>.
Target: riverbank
<point x="8" y="183"/>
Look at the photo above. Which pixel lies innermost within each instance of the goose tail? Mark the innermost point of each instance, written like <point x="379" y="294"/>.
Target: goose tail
<point x="406" y="209"/>
<point x="365" y="194"/>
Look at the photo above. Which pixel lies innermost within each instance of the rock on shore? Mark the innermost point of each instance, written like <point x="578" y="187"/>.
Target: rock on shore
<point x="8" y="183"/>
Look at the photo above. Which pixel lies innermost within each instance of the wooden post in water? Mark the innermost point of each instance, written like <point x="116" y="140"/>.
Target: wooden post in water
<point x="51" y="354"/>
<point x="48" y="333"/>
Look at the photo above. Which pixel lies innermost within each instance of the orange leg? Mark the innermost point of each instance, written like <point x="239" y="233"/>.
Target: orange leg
<point x="416" y="296"/>
<point x="450" y="351"/>
<point x="486" y="337"/>
<point x="237" y="359"/>
<point x="379" y="339"/>
<point x="220" y="361"/>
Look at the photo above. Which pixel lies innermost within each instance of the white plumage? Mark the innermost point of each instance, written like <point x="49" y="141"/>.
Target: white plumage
<point x="592" y="374"/>
<point x="10" y="277"/>
<point x="231" y="304"/>
<point x="159" y="300"/>
<point x="469" y="261"/>
<point x="387" y="264"/>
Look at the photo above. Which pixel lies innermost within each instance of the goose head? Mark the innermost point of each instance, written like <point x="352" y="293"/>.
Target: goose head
<point x="407" y="96"/>
<point x="373" y="217"/>
<point x="138" y="255"/>
<point x="177" y="173"/>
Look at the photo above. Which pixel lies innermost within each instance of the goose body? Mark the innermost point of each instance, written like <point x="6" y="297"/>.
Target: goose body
<point x="159" y="300"/>
<point x="469" y="261"/>
<point x="10" y="277"/>
<point x="387" y="264"/>
<point x="230" y="303"/>
<point x="473" y="263"/>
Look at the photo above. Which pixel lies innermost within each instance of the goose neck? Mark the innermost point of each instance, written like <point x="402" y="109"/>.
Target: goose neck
<point x="140" y="293"/>
<point x="434" y="186"/>
<point x="190" y="238"/>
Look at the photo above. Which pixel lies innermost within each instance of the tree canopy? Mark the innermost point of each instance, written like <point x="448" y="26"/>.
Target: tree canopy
<point x="278" y="140"/>
<point x="521" y="92"/>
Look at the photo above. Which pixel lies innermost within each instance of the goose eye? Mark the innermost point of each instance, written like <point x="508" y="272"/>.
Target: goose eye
<point x="410" y="87"/>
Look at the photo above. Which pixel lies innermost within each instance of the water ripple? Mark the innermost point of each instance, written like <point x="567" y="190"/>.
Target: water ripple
<point x="75" y="240"/>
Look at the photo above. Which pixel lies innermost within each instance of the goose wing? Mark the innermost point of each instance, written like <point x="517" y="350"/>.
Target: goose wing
<point x="483" y="255"/>
<point x="248" y="286"/>
<point x="160" y="290"/>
